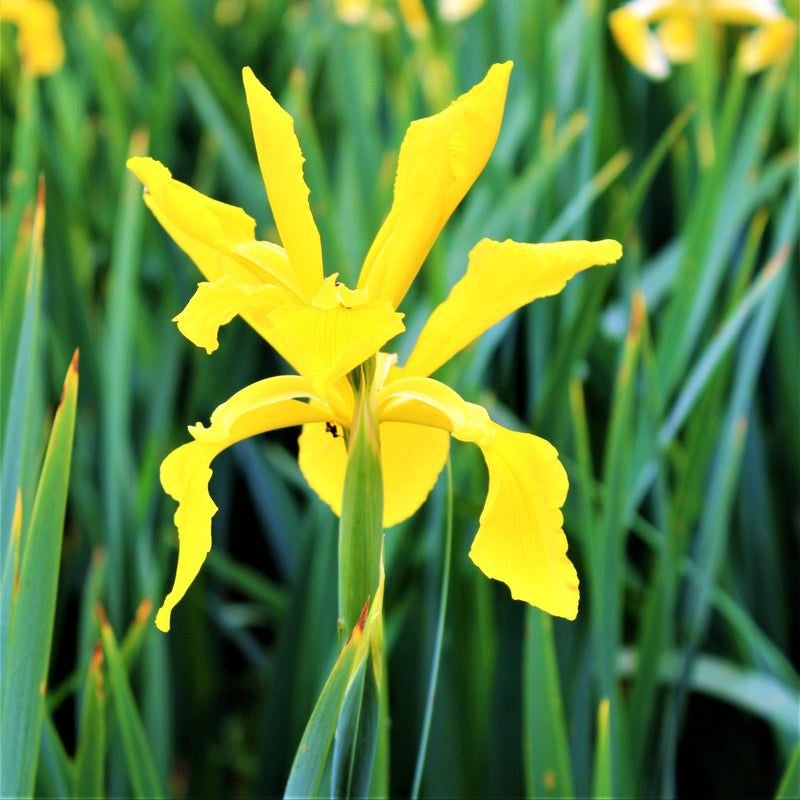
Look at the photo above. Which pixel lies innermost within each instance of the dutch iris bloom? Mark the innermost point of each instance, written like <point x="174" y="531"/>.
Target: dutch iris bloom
<point x="325" y="330"/>
<point x="676" y="36"/>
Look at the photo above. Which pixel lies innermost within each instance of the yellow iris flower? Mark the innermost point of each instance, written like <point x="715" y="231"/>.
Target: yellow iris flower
<point x="38" y="39"/>
<point x="676" y="37"/>
<point x="325" y="330"/>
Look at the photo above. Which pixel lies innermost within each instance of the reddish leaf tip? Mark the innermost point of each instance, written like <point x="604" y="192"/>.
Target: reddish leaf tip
<point x="362" y="621"/>
<point x="143" y="612"/>
<point x="101" y="615"/>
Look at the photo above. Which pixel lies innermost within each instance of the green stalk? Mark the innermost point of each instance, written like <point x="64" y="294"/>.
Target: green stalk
<point x="361" y="524"/>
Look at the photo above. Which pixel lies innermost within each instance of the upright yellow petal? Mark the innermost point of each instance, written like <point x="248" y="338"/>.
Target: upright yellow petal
<point x="501" y="277"/>
<point x="412" y="456"/>
<point x="439" y="160"/>
<point x="281" y="163"/>
<point x="521" y="539"/>
<point x="185" y="472"/>
<point x="218" y="237"/>
<point x="216" y="304"/>
<point x="324" y="344"/>
<point x="39" y="38"/>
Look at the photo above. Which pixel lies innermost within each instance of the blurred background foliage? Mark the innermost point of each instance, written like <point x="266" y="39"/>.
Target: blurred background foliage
<point x="668" y="383"/>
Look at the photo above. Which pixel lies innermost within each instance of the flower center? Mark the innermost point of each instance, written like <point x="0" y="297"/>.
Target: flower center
<point x="335" y="294"/>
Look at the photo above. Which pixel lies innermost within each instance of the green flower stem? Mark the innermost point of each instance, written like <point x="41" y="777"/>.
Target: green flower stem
<point x="361" y="524"/>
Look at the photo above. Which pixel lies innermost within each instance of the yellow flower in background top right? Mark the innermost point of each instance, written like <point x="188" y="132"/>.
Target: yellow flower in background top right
<point x="676" y="35"/>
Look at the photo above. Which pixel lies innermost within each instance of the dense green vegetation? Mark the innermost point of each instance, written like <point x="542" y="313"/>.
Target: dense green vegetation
<point x="668" y="382"/>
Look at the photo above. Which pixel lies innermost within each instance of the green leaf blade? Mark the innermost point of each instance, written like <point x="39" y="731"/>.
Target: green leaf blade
<point x="27" y="654"/>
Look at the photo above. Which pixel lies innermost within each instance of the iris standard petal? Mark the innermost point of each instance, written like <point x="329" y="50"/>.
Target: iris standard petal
<point x="324" y="344"/>
<point x="501" y="277"/>
<point x="185" y="472"/>
<point x="439" y="160"/>
<point x="281" y="163"/>
<point x="521" y="539"/>
<point x="412" y="457"/>
<point x="216" y="304"/>
<point x="218" y="237"/>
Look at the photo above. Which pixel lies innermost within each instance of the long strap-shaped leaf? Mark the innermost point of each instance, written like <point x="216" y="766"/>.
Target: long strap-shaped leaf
<point x="27" y="652"/>
<point x="362" y="651"/>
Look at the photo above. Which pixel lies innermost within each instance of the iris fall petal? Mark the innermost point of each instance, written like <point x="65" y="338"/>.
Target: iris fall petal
<point x="412" y="457"/>
<point x="521" y="539"/>
<point x="185" y="472"/>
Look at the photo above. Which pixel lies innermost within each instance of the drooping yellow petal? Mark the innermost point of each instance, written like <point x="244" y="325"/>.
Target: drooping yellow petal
<point x="185" y="472"/>
<point x="412" y="457"/>
<point x="322" y="458"/>
<point x="767" y="44"/>
<point x="635" y="39"/>
<point x="216" y="304"/>
<point x="520" y="540"/>
<point x="281" y="163"/>
<point x="218" y="237"/>
<point x="324" y="344"/>
<point x="678" y="37"/>
<point x="501" y="277"/>
<point x="439" y="160"/>
<point x="39" y="38"/>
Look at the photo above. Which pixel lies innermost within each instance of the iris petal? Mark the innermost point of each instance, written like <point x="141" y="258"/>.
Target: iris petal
<point x="633" y="36"/>
<point x="215" y="304"/>
<point x="39" y="38"/>
<point x="185" y="472"/>
<point x="412" y="457"/>
<point x="325" y="344"/>
<point x="281" y="163"/>
<point x="218" y="237"/>
<point x="766" y="44"/>
<point x="501" y="277"/>
<point x="439" y="160"/>
<point x="678" y="37"/>
<point x="521" y="539"/>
